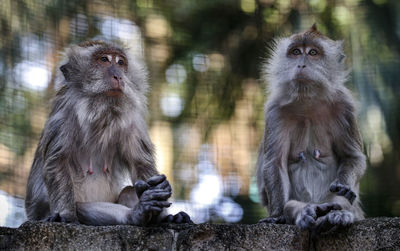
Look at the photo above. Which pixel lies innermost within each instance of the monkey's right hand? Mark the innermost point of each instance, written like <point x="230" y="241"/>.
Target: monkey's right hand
<point x="343" y="190"/>
<point x="65" y="218"/>
<point x="153" y="196"/>
<point x="310" y="213"/>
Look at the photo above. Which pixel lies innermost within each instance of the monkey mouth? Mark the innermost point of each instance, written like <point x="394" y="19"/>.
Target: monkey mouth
<point x="115" y="92"/>
<point x="302" y="80"/>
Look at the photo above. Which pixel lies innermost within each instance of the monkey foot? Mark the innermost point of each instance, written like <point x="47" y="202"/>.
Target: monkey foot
<point x="276" y="220"/>
<point x="179" y="218"/>
<point x="56" y="217"/>
<point x="311" y="214"/>
<point x="333" y="220"/>
<point x="343" y="190"/>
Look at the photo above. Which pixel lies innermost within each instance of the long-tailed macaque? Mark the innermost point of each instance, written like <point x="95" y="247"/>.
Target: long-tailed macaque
<point x="310" y="160"/>
<point x="94" y="163"/>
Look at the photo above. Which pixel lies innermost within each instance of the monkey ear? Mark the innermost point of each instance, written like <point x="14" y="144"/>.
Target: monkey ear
<point x="66" y="70"/>
<point x="341" y="55"/>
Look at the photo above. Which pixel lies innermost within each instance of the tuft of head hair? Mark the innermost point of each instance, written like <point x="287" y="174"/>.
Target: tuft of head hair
<point x="91" y="43"/>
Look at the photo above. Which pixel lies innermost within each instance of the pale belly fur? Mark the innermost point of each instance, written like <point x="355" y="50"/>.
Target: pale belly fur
<point x="100" y="185"/>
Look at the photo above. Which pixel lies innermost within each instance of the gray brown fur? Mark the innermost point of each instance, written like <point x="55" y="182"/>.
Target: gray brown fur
<point x="86" y="126"/>
<point x="309" y="109"/>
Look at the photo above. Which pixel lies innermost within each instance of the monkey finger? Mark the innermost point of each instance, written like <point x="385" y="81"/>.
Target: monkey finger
<point x="165" y="185"/>
<point x="185" y="218"/>
<point x="153" y="195"/>
<point x="325" y="208"/>
<point x="178" y="218"/>
<point x="140" y="187"/>
<point x="307" y="222"/>
<point x="59" y="218"/>
<point x="53" y="218"/>
<point x="334" y="187"/>
<point x="169" y="218"/>
<point x="351" y="196"/>
<point x="157" y="203"/>
<point x="343" y="191"/>
<point x="154" y="209"/>
<point x="276" y="220"/>
<point x="311" y="211"/>
<point x="157" y="179"/>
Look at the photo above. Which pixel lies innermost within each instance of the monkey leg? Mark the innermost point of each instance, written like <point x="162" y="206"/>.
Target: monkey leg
<point x="343" y="190"/>
<point x="151" y="203"/>
<point x="306" y="215"/>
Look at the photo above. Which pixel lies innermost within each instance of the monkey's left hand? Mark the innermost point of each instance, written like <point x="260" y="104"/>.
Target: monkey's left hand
<point x="155" y="182"/>
<point x="161" y="182"/>
<point x="343" y="190"/>
<point x="153" y="195"/>
<point x="152" y="201"/>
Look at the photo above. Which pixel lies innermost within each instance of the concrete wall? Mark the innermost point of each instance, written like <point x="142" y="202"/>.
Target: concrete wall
<point x="370" y="234"/>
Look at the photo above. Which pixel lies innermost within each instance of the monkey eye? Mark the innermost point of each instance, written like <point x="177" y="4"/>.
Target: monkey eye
<point x="296" y="52"/>
<point x="104" y="59"/>
<point x="313" y="52"/>
<point x="121" y="62"/>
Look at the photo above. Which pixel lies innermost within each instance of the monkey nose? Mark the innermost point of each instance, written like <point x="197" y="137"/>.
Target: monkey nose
<point x="116" y="82"/>
<point x="301" y="66"/>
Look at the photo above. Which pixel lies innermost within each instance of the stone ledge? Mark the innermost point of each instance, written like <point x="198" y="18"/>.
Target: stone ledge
<point x="369" y="234"/>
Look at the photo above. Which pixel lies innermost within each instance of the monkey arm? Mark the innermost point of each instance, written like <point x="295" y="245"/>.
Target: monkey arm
<point x="348" y="147"/>
<point x="138" y="205"/>
<point x="274" y="171"/>
<point x="58" y="155"/>
<point x="60" y="188"/>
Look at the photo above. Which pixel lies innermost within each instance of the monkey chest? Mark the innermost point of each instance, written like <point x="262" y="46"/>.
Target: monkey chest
<point x="102" y="185"/>
<point x="312" y="165"/>
<point x="310" y="142"/>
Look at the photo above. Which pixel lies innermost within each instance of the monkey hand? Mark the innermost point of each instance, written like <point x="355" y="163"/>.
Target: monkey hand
<point x="309" y="215"/>
<point x="153" y="196"/>
<point x="155" y="182"/>
<point x="65" y="218"/>
<point x="343" y="190"/>
<point x="277" y="220"/>
<point x="180" y="217"/>
<point x="333" y="220"/>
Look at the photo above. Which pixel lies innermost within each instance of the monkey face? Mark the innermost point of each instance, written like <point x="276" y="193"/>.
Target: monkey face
<point x="306" y="64"/>
<point x="113" y="64"/>
<point x="106" y="73"/>
<point x="304" y="60"/>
